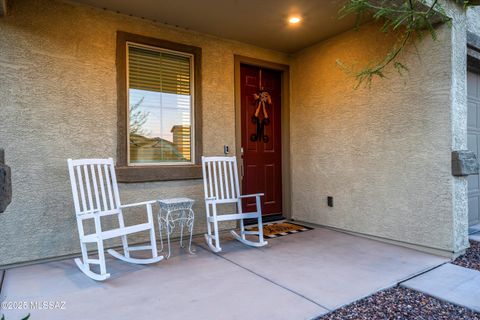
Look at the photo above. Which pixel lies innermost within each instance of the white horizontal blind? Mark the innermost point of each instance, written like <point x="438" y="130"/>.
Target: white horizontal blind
<point x="164" y="81"/>
<point x="158" y="71"/>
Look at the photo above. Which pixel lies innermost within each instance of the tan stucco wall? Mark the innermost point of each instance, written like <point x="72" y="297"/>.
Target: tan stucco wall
<point x="58" y="101"/>
<point x="383" y="152"/>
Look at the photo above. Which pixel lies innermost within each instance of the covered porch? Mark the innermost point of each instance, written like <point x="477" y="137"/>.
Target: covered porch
<point x="299" y="276"/>
<point x="382" y="154"/>
<point x="368" y="168"/>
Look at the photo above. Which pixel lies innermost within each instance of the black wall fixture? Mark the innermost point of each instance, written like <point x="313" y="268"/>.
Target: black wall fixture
<point x="330" y="201"/>
<point x="464" y="163"/>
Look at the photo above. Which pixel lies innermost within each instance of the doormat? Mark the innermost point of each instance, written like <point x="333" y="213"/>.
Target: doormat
<point x="280" y="229"/>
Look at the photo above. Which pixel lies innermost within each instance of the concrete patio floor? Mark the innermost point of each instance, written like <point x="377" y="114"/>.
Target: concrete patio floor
<point x="299" y="276"/>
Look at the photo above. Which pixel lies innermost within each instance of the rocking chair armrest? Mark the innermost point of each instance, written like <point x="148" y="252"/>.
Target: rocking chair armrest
<point x="252" y="195"/>
<point x="145" y="203"/>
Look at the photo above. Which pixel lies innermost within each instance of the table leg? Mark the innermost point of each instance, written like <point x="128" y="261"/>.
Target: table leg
<point x="182" y="222"/>
<point x="169" y="231"/>
<point x="160" y="226"/>
<point x="191" y="220"/>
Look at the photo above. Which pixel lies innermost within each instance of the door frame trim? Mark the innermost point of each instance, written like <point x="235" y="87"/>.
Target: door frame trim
<point x="473" y="62"/>
<point x="285" y="122"/>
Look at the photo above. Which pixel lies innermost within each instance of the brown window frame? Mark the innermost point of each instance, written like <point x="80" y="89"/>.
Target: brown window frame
<point x="126" y="173"/>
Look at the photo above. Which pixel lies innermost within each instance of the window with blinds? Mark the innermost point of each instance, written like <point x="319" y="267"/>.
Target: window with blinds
<point x="160" y="94"/>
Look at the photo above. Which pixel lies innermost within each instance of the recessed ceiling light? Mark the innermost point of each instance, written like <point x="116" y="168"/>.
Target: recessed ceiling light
<point x="294" y="20"/>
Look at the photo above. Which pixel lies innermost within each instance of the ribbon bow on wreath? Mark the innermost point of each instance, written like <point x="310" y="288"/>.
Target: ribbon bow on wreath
<point x="261" y="99"/>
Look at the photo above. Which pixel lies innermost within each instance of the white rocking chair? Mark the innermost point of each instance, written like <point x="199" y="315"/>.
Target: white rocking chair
<point x="95" y="195"/>
<point x="220" y="178"/>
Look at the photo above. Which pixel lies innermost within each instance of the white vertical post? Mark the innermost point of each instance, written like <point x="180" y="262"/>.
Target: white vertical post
<point x="215" y="179"/>
<point x="121" y="222"/>
<point x="260" y="224"/>
<point x="215" y="226"/>
<point x="73" y="183"/>
<point x="101" y="250"/>
<point x="83" y="246"/>
<point x="89" y="189"/>
<point x="82" y="190"/>
<point x="102" y="187"/>
<point x="225" y="174"/>
<point x="221" y="179"/>
<point x="152" y="231"/>
<point x="109" y="187"/>
<point x="95" y="188"/>
<point x="239" y="202"/>
<point x="232" y="179"/>
<point x="209" y="227"/>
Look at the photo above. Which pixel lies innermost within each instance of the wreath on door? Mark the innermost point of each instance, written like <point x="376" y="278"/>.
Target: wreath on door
<point x="262" y="99"/>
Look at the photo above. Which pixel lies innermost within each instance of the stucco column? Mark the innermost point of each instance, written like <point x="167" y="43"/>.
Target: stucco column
<point x="459" y="121"/>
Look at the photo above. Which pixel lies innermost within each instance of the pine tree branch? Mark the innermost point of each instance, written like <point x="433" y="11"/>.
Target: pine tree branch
<point x="408" y="19"/>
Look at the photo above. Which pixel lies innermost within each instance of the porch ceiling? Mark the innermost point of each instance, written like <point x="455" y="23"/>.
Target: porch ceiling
<point x="262" y="23"/>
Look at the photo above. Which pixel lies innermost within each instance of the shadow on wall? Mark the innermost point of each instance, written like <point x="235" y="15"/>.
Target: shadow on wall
<point x="5" y="183"/>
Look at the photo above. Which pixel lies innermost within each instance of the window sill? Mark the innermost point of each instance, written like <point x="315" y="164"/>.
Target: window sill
<point x="158" y="173"/>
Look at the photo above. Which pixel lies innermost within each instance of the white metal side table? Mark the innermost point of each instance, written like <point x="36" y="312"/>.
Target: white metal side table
<point x="175" y="211"/>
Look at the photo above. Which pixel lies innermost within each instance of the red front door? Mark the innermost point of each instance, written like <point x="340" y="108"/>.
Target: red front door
<point x="261" y="137"/>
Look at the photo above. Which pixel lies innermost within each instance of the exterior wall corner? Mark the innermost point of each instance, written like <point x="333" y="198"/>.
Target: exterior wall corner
<point x="459" y="124"/>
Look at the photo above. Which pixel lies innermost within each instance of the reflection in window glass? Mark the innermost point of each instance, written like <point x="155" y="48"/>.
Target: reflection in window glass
<point x="160" y="106"/>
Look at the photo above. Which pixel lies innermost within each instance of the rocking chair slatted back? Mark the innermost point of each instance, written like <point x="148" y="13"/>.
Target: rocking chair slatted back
<point x="94" y="185"/>
<point x="221" y="179"/>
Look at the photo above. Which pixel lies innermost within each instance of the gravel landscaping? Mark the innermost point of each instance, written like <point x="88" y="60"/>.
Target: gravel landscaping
<point x="471" y="259"/>
<point x="401" y="303"/>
